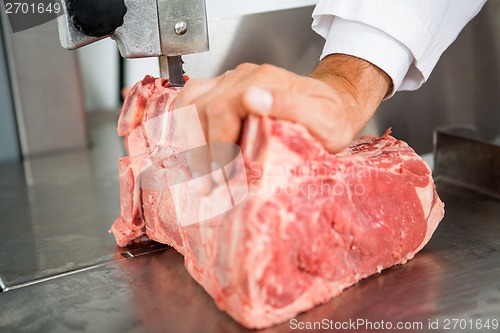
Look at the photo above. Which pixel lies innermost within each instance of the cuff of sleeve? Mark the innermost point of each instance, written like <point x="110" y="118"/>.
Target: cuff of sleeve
<point x="371" y="44"/>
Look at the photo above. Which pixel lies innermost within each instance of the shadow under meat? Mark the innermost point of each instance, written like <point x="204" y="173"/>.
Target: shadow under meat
<point x="167" y="299"/>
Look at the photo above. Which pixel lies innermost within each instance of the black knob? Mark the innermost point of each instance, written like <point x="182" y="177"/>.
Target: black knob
<point x="97" y="18"/>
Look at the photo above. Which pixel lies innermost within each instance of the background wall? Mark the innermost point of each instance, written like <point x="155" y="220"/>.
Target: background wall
<point x="46" y="90"/>
<point x="9" y="146"/>
<point x="99" y="69"/>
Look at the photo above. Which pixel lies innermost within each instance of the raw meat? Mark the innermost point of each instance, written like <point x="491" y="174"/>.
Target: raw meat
<point x="312" y="225"/>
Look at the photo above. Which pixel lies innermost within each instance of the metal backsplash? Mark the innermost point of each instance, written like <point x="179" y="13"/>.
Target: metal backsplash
<point x="283" y="38"/>
<point x="461" y="159"/>
<point x="46" y="90"/>
<point x="9" y="145"/>
<point x="464" y="87"/>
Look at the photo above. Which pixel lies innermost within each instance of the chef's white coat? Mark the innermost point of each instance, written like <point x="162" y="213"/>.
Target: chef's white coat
<point x="404" y="38"/>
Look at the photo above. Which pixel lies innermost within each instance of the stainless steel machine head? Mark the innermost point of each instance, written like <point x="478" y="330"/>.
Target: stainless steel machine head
<point x="151" y="28"/>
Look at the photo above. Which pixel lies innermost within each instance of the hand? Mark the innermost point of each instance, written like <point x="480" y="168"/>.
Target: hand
<point x="334" y="103"/>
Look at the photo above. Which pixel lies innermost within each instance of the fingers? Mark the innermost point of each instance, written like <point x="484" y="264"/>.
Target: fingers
<point x="222" y="153"/>
<point x="194" y="89"/>
<point x="199" y="164"/>
<point x="325" y="117"/>
<point x="198" y="91"/>
<point x="216" y="108"/>
<point x="224" y="125"/>
<point x="214" y="101"/>
<point x="224" y="121"/>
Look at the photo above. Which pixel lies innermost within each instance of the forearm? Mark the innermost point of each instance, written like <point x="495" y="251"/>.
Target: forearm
<point x="365" y="82"/>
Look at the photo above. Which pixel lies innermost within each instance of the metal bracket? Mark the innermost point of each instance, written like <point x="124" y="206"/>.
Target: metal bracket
<point x="151" y="28"/>
<point x="155" y="247"/>
<point x="462" y="159"/>
<point x="183" y="26"/>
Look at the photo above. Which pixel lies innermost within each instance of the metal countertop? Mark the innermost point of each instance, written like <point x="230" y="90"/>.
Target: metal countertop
<point x="55" y="212"/>
<point x="64" y="272"/>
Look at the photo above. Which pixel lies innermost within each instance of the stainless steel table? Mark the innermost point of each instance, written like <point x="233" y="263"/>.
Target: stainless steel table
<point x="63" y="273"/>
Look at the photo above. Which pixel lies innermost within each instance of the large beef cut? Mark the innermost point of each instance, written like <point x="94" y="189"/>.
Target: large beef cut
<point x="312" y="224"/>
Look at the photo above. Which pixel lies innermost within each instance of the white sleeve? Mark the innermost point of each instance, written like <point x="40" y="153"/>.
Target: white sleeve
<point x="404" y="38"/>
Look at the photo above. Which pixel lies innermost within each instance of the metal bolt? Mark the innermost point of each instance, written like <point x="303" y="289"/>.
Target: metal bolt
<point x="180" y="28"/>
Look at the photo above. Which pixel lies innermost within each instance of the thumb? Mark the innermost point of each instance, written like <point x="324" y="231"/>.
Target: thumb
<point x="259" y="101"/>
<point x="317" y="113"/>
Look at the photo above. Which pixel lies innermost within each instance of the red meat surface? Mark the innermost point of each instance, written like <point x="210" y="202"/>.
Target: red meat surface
<point x="313" y="223"/>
